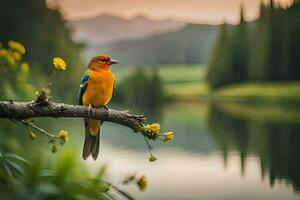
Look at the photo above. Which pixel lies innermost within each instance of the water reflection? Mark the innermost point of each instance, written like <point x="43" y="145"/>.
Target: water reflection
<point x="222" y="151"/>
<point x="275" y="143"/>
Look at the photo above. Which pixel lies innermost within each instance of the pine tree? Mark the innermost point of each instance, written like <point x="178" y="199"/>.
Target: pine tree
<point x="219" y="70"/>
<point x="240" y="50"/>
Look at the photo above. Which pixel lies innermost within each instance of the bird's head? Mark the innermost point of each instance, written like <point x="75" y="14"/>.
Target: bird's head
<point x="102" y="61"/>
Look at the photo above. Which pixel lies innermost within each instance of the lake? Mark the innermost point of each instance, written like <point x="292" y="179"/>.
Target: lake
<point x="220" y="151"/>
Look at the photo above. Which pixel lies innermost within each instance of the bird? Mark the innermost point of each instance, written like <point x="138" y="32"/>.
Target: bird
<point x="95" y="91"/>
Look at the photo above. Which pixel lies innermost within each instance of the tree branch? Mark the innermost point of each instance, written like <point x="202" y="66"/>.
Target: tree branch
<point x="26" y="110"/>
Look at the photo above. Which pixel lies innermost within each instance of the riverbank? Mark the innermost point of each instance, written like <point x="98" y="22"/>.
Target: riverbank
<point x="261" y="92"/>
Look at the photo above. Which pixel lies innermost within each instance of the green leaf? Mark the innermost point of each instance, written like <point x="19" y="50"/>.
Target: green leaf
<point x="8" y="171"/>
<point x="17" y="157"/>
<point x="16" y="166"/>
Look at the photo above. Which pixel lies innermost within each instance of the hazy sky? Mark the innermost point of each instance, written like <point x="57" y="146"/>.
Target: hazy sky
<point x="203" y="11"/>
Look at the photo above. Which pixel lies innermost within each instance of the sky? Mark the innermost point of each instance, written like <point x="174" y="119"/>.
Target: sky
<point x="197" y="11"/>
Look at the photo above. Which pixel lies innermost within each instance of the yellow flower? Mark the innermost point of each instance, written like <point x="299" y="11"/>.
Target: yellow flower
<point x="25" y="67"/>
<point x="169" y="136"/>
<point x="3" y="52"/>
<point x="64" y="136"/>
<point x="142" y="183"/>
<point x="152" y="158"/>
<point x="17" y="56"/>
<point x="63" y="133"/>
<point x="59" y="63"/>
<point x="152" y="129"/>
<point x="17" y="46"/>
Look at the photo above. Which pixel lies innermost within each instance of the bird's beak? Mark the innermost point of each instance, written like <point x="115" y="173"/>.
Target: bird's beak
<point x="112" y="62"/>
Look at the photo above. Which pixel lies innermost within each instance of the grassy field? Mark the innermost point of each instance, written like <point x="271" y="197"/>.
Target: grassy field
<point x="175" y="74"/>
<point x="263" y="91"/>
<point x="184" y="81"/>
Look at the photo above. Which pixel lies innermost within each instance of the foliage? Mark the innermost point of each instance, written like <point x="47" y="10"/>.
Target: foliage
<point x="44" y="33"/>
<point x="262" y="50"/>
<point x="14" y="71"/>
<point x="67" y="179"/>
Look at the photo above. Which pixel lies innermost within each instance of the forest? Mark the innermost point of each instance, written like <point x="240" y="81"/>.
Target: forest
<point x="266" y="49"/>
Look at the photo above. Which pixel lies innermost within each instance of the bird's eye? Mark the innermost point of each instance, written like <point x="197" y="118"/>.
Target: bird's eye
<point x="101" y="59"/>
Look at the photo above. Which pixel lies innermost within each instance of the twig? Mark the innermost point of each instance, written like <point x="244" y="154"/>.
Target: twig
<point x="26" y="123"/>
<point x="125" y="194"/>
<point x="149" y="146"/>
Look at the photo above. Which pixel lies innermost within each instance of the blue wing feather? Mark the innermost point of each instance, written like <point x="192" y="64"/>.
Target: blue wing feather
<point x="83" y="83"/>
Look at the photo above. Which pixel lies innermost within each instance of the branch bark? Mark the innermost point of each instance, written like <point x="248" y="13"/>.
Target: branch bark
<point x="26" y="110"/>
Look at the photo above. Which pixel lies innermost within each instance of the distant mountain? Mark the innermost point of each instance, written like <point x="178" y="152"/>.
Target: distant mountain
<point x="191" y="44"/>
<point x="105" y="29"/>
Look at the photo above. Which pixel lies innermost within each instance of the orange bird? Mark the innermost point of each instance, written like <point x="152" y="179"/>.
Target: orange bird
<point x="96" y="90"/>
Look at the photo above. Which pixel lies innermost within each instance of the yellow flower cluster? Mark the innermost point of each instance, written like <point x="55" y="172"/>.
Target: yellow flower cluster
<point x="17" y="46"/>
<point x="13" y="54"/>
<point x="63" y="135"/>
<point x="152" y="129"/>
<point x="169" y="136"/>
<point x="142" y="183"/>
<point x="59" y="63"/>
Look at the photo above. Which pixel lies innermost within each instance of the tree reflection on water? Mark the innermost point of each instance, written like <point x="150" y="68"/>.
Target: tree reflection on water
<point x="275" y="143"/>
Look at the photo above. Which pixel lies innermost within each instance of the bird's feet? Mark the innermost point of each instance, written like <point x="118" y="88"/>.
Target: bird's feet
<point x="107" y="110"/>
<point x="105" y="107"/>
<point x="91" y="110"/>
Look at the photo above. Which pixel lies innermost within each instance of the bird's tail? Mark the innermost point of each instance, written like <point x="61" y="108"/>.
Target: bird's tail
<point x="92" y="137"/>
